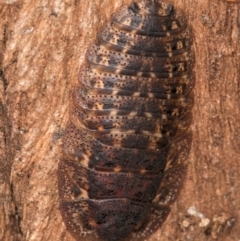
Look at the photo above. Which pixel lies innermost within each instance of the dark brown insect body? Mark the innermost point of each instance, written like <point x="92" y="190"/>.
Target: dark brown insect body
<point x="127" y="141"/>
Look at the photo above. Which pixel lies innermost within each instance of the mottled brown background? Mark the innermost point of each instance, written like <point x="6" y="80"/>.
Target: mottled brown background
<point x="42" y="44"/>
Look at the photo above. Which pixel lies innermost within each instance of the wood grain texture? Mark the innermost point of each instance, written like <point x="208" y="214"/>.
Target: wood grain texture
<point x="43" y="47"/>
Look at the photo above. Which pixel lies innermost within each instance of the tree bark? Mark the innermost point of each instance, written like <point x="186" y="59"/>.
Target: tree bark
<point x="42" y="45"/>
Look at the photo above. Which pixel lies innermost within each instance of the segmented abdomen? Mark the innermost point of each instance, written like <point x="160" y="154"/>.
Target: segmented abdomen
<point x="127" y="140"/>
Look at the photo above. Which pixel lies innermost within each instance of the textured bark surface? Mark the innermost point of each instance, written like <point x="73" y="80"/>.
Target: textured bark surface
<point x="42" y="45"/>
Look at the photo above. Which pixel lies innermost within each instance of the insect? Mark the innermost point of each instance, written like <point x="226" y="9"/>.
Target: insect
<point x="126" y="144"/>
